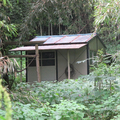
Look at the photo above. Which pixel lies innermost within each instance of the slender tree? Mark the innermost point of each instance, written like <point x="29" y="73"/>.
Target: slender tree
<point x="107" y="19"/>
<point x="58" y="17"/>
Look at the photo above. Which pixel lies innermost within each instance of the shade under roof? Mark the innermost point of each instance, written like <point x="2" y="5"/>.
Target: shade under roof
<point x="49" y="47"/>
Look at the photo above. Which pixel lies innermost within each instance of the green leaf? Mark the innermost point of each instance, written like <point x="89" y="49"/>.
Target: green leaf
<point x="4" y="2"/>
<point x="58" y="117"/>
<point x="2" y="118"/>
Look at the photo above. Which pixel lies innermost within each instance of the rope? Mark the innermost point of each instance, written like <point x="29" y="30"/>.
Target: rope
<point x="27" y="65"/>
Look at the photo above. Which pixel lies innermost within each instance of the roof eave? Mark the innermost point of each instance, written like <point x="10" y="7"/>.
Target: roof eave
<point x="101" y="41"/>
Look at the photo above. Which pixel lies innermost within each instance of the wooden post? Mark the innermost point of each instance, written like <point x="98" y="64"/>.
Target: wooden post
<point x="68" y="56"/>
<point x="21" y="68"/>
<point x="88" y="59"/>
<point x="37" y="62"/>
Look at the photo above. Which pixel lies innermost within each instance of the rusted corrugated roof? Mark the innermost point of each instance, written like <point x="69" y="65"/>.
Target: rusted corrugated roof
<point x="59" y="42"/>
<point x="59" y="39"/>
<point x="49" y="47"/>
<point x="40" y="38"/>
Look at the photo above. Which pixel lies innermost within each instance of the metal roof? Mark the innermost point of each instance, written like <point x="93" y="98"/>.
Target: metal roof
<point x="74" y="41"/>
<point x="49" y="47"/>
<point x="59" y="39"/>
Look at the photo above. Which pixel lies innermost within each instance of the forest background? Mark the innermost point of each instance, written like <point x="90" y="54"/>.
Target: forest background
<point x="95" y="96"/>
<point x="22" y="20"/>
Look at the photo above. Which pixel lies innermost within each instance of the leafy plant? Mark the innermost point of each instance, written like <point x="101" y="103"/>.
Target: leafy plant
<point x="7" y="69"/>
<point x="67" y="110"/>
<point x="5" y="105"/>
<point x="107" y="19"/>
<point x="6" y="29"/>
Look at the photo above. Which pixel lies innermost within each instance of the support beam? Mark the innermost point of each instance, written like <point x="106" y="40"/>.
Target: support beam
<point x="23" y="43"/>
<point x="21" y="68"/>
<point x="88" y="59"/>
<point x="37" y="62"/>
<point x="20" y="56"/>
<point x="68" y="57"/>
<point x="56" y="65"/>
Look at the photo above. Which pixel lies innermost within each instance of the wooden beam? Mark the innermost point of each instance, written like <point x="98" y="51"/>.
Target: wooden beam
<point x="68" y="57"/>
<point x="23" y="43"/>
<point x="39" y="43"/>
<point x="21" y="68"/>
<point x="20" y="56"/>
<point x="88" y="69"/>
<point x="37" y="62"/>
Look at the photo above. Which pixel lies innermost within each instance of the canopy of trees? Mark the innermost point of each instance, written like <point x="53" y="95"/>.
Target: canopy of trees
<point x="107" y="19"/>
<point x="24" y="19"/>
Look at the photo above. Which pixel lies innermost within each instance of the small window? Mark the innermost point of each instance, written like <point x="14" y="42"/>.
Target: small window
<point x="48" y="55"/>
<point x="33" y="53"/>
<point x="48" y="59"/>
<point x="50" y="62"/>
<point x="32" y="61"/>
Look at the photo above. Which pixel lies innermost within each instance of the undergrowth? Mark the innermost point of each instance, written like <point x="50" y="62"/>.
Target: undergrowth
<point x="76" y="99"/>
<point x="95" y="96"/>
<point x="91" y="97"/>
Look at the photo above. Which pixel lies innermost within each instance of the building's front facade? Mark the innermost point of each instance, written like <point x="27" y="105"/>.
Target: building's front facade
<point x="54" y="59"/>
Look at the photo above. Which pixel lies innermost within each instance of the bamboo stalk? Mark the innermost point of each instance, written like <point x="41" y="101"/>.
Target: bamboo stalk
<point x="59" y="29"/>
<point x="48" y="29"/>
<point x="40" y="29"/>
<point x="51" y="29"/>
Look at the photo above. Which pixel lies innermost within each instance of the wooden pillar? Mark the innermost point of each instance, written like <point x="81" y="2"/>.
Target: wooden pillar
<point x="68" y="57"/>
<point x="37" y="62"/>
<point x="88" y="59"/>
<point x="21" y="68"/>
